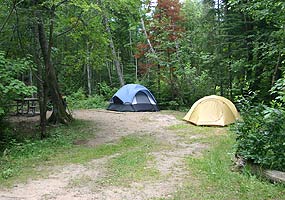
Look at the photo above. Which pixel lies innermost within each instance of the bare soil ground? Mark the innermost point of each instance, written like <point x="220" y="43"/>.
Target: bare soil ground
<point x="76" y="181"/>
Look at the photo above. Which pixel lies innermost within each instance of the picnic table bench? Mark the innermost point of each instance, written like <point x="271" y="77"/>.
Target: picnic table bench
<point x="26" y="106"/>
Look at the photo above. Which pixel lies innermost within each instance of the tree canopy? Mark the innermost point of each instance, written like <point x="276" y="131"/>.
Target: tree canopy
<point x="182" y="51"/>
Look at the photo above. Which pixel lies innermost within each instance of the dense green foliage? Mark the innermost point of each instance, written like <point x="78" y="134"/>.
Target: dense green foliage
<point x="260" y="137"/>
<point x="78" y="100"/>
<point x="11" y="87"/>
<point x="261" y="133"/>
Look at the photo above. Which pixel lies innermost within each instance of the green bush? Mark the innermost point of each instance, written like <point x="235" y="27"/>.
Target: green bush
<point x="106" y="90"/>
<point x="79" y="100"/>
<point x="79" y="95"/>
<point x="10" y="86"/>
<point x="261" y="137"/>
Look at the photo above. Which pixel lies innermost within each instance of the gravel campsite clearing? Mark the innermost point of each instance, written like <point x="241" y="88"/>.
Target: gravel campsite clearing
<point x="155" y="168"/>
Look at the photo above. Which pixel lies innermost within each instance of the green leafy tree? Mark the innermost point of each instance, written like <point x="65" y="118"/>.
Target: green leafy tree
<point x="11" y="87"/>
<point x="263" y="33"/>
<point x="163" y="32"/>
<point x="82" y="47"/>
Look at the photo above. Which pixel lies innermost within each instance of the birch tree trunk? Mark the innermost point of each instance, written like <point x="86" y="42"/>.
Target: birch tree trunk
<point x="88" y="69"/>
<point x="153" y="51"/>
<point x="147" y="38"/>
<point x="112" y="46"/>
<point x="115" y="58"/>
<point x="133" y="59"/>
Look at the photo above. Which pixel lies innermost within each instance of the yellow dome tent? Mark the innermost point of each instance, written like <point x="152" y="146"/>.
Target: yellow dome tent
<point x="212" y="111"/>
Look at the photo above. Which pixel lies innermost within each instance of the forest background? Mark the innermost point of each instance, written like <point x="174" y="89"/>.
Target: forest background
<point x="181" y="52"/>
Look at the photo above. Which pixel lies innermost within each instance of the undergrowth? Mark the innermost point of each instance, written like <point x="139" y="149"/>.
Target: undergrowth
<point x="261" y="137"/>
<point x="79" y="100"/>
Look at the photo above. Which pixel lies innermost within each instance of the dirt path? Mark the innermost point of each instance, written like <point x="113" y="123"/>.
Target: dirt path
<point x="60" y="184"/>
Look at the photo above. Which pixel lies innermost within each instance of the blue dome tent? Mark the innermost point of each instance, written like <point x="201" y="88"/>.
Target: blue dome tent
<point x="134" y="98"/>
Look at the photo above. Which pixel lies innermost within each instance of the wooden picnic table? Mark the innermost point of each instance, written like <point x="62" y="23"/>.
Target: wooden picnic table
<point x="26" y="106"/>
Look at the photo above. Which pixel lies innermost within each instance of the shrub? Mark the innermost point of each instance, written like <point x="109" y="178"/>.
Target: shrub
<point x="106" y="90"/>
<point x="79" y="95"/>
<point x="79" y="100"/>
<point x="10" y="87"/>
<point x="261" y="137"/>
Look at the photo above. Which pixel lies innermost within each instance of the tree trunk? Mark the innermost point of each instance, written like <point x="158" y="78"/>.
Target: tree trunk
<point x="109" y="73"/>
<point x="41" y="86"/>
<point x="115" y="58"/>
<point x="219" y="50"/>
<point x="133" y="59"/>
<point x="112" y="46"/>
<point x="88" y="69"/>
<point x="158" y="81"/>
<point x="136" y="68"/>
<point x="153" y="51"/>
<point x="147" y="38"/>
<point x="276" y="75"/>
<point x="59" y="114"/>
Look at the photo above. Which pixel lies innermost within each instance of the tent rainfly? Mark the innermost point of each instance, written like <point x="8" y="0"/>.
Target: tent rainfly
<point x="212" y="111"/>
<point x="133" y="98"/>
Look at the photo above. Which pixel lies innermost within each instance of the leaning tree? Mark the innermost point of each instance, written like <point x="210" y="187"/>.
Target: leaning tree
<point x="48" y="78"/>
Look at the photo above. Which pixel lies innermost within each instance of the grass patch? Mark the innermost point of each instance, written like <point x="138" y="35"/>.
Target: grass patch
<point x="133" y="162"/>
<point x="133" y="165"/>
<point x="213" y="179"/>
<point x="21" y="159"/>
<point x="177" y="114"/>
<point x="80" y="181"/>
<point x="202" y="134"/>
<point x="177" y="127"/>
<point x="186" y="129"/>
<point x="31" y="158"/>
<point x="129" y="167"/>
<point x="82" y="154"/>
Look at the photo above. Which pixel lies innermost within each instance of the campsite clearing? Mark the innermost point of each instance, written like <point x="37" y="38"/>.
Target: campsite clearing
<point x="142" y="155"/>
